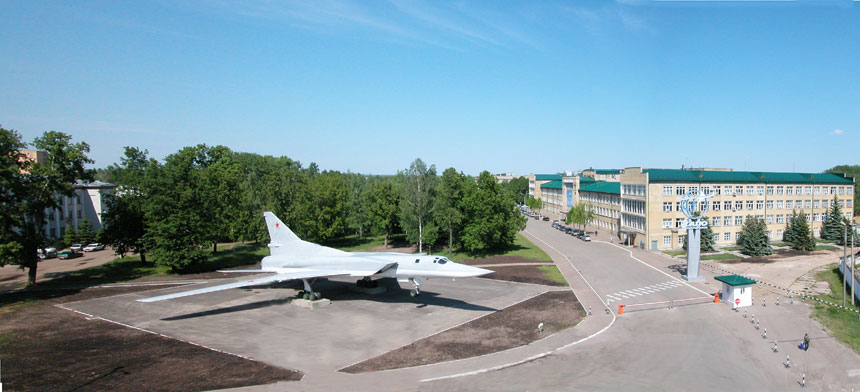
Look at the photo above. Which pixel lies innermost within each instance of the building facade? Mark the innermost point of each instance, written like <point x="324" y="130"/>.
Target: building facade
<point x="88" y="202"/>
<point x="604" y="198"/>
<point x="651" y="209"/>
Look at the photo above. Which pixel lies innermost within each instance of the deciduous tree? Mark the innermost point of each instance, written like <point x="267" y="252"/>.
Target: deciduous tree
<point x="417" y="185"/>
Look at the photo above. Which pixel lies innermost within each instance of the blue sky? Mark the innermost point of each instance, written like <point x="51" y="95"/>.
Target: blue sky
<point x="368" y="86"/>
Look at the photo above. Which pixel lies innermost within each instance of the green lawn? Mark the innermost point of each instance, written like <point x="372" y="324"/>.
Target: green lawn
<point x="352" y="243"/>
<point x="673" y="253"/>
<point x="841" y="324"/>
<point x="720" y="256"/>
<point x="551" y="272"/>
<point x="522" y="247"/>
<point x="825" y="247"/>
<point x="732" y="248"/>
<point x="780" y="243"/>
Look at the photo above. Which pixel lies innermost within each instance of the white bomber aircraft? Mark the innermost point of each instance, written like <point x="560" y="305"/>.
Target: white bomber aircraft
<point x="291" y="258"/>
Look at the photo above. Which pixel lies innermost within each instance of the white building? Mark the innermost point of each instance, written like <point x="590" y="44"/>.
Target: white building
<point x="87" y="202"/>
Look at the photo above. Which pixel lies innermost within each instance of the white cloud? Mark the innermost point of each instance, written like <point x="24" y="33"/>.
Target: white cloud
<point x="837" y="132"/>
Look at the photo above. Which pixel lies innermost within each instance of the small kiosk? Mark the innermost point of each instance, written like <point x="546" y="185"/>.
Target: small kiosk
<point x="737" y="290"/>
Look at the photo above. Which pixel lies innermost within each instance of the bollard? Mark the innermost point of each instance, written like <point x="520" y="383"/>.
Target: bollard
<point x="790" y="300"/>
<point x="745" y="314"/>
<point x="775" y="347"/>
<point x="764" y="302"/>
<point x="589" y="310"/>
<point x="752" y="301"/>
<point x="606" y="310"/>
<point x="620" y="309"/>
<point x="764" y="335"/>
<point x="803" y="379"/>
<point x="787" y="362"/>
<point x="757" y="324"/>
<point x="752" y="320"/>
<point x="717" y="298"/>
<point x="671" y="304"/>
<point x="777" y="301"/>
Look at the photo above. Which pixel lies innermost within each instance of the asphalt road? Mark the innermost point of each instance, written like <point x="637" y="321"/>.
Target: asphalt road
<point x="699" y="346"/>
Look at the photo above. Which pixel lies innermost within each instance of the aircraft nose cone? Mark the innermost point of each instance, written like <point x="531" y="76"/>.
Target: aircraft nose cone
<point x="480" y="271"/>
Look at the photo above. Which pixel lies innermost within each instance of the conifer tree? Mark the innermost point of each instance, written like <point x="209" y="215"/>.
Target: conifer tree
<point x="70" y="236"/>
<point x="86" y="234"/>
<point x="754" y="241"/>
<point x="706" y="238"/>
<point x="833" y="227"/>
<point x="799" y="233"/>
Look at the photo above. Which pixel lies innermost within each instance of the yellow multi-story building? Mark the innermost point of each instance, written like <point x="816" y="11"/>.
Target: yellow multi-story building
<point x="651" y="210"/>
<point x="604" y="199"/>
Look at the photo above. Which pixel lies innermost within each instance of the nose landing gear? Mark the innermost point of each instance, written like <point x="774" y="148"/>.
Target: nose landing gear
<point x="415" y="283"/>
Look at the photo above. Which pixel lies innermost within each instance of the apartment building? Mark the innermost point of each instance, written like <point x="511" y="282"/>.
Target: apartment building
<point x="651" y="211"/>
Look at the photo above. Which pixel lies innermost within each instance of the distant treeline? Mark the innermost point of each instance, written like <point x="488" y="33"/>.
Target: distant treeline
<point x="202" y="195"/>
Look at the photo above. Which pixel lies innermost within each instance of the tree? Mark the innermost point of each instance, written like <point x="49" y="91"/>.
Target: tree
<point x="517" y="188"/>
<point x="30" y="189"/>
<point x="124" y="219"/>
<point x="490" y="217"/>
<point x="70" y="236"/>
<point x="383" y="207"/>
<point x="798" y="233"/>
<point x="706" y="237"/>
<point x="358" y="215"/>
<point x="447" y="207"/>
<point x="754" y="241"/>
<point x="535" y="205"/>
<point x="86" y="234"/>
<point x="330" y="197"/>
<point x="833" y="227"/>
<point x="580" y="214"/>
<point x="417" y="190"/>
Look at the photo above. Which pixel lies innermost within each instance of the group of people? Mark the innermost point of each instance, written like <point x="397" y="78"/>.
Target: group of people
<point x="804" y="345"/>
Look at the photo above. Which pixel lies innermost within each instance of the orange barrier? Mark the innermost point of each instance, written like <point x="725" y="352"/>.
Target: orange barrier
<point x="620" y="309"/>
<point x="671" y="302"/>
<point x="717" y="298"/>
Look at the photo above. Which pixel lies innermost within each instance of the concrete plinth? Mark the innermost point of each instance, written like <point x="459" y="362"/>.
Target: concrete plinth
<point x="369" y="290"/>
<point x="303" y="303"/>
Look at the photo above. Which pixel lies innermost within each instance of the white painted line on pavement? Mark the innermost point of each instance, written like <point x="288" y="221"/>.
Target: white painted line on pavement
<point x="653" y="267"/>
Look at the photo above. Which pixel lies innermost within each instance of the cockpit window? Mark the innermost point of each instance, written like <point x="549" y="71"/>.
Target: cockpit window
<point x="443" y="260"/>
<point x="417" y="260"/>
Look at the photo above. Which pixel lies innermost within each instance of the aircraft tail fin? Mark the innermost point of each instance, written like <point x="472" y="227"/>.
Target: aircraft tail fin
<point x="280" y="236"/>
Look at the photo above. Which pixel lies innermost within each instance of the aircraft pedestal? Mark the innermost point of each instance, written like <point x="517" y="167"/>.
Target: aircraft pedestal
<point x="307" y="304"/>
<point x="369" y="290"/>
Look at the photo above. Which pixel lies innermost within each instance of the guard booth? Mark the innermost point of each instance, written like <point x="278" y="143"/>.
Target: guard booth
<point x="737" y="290"/>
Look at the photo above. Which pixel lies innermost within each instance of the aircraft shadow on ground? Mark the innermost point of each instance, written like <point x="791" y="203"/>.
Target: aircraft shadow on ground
<point x="338" y="291"/>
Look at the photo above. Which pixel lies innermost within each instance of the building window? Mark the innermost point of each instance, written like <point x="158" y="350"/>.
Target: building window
<point x="759" y="190"/>
<point x="739" y="205"/>
<point x="715" y="221"/>
<point x="770" y="189"/>
<point x="807" y="190"/>
<point x="842" y="192"/>
<point x="680" y="190"/>
<point x="808" y="217"/>
<point x="789" y="204"/>
<point x="770" y="219"/>
<point x="667" y="206"/>
<point x="716" y="237"/>
<point x="681" y="239"/>
<point x="677" y="206"/>
<point x="749" y="204"/>
<point x="815" y="217"/>
<point x="667" y="240"/>
<point x="716" y="189"/>
<point x="715" y="206"/>
<point x="79" y="214"/>
<point x="739" y="220"/>
<point x="759" y="204"/>
<point x="727" y="236"/>
<point x="817" y="230"/>
<point x="807" y="203"/>
<point x="667" y="190"/>
<point x="706" y="190"/>
<point x="727" y="205"/>
<point x="779" y="204"/>
<point x="679" y="222"/>
<point x="817" y="190"/>
<point x="769" y="204"/>
<point x="727" y="221"/>
<point x="779" y="218"/>
<point x="739" y="189"/>
<point x="789" y="190"/>
<point x="737" y="236"/>
<point x="779" y="190"/>
<point x="749" y="190"/>
<point x="667" y="223"/>
<point x="818" y="204"/>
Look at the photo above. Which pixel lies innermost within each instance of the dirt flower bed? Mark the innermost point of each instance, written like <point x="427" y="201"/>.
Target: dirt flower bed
<point x="46" y="348"/>
<point x="507" y="328"/>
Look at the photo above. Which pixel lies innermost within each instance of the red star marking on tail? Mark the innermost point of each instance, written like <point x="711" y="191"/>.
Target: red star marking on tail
<point x="277" y="225"/>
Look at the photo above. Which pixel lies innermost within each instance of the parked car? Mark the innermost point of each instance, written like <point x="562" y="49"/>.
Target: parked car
<point x="586" y="237"/>
<point x="77" y="247"/>
<point x="93" y="247"/>
<point x="546" y="218"/>
<point x="48" y="253"/>
<point x="68" y="254"/>
<point x="568" y="230"/>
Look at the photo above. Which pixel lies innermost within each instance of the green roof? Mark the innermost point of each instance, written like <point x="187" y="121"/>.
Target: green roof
<point x="734" y="280"/>
<point x="547" y="177"/>
<point x="602" y="187"/>
<point x="674" y="175"/>
<point x="585" y="179"/>
<point x="552" y="184"/>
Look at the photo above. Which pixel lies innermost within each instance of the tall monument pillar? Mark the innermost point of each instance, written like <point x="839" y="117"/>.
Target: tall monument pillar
<point x="690" y="202"/>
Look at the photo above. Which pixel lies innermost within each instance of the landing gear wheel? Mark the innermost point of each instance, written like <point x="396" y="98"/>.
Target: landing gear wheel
<point x="413" y="293"/>
<point x="312" y="297"/>
<point x="301" y="294"/>
<point x="306" y="296"/>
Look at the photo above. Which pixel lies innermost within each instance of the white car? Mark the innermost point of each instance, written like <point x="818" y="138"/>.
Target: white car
<point x="77" y="247"/>
<point x="94" y="247"/>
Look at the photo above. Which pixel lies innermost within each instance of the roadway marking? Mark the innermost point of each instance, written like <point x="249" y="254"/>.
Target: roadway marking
<point x="649" y="265"/>
<point x="643" y="290"/>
